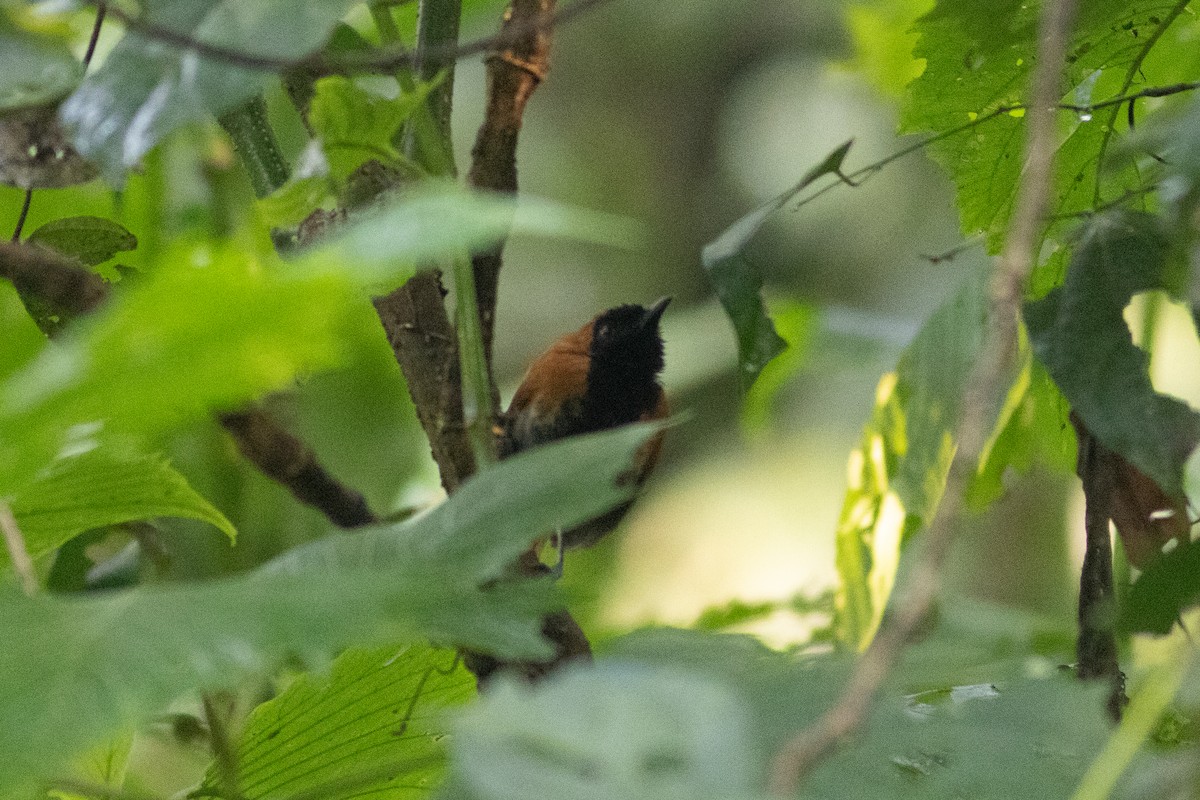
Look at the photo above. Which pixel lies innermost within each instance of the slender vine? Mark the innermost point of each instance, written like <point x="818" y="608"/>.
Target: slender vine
<point x="1135" y="66"/>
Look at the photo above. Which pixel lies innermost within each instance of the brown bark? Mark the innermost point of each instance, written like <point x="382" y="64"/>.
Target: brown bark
<point x="423" y="340"/>
<point x="514" y="71"/>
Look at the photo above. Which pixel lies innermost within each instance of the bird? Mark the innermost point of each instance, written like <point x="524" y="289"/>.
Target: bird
<point x="601" y="376"/>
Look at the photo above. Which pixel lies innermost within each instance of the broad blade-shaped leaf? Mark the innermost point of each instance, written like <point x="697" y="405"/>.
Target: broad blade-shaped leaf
<point x="355" y="125"/>
<point x="440" y="221"/>
<point x="34" y="70"/>
<point x="96" y="489"/>
<point x="898" y="472"/>
<point x="1167" y="588"/>
<point x="99" y="663"/>
<point x="146" y="89"/>
<point x="977" y="63"/>
<point x="90" y="240"/>
<point x="738" y="283"/>
<point x="373" y="725"/>
<point x="620" y="729"/>
<point x="555" y="486"/>
<point x="1079" y="333"/>
<point x="1012" y="736"/>
<point x="187" y="340"/>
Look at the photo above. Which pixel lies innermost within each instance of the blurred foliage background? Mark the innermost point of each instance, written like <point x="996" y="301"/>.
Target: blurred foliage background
<point x="683" y="117"/>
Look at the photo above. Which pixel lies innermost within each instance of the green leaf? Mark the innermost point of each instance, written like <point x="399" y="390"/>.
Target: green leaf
<point x="34" y="70"/>
<point x="146" y="89"/>
<point x="616" y="730"/>
<point x="89" y="666"/>
<point x="538" y="490"/>
<point x="739" y="285"/>
<point x="1168" y="587"/>
<point x="21" y="337"/>
<point x="375" y="722"/>
<point x="797" y="324"/>
<point x="439" y="220"/>
<point x="977" y="64"/>
<point x="170" y="348"/>
<point x="883" y="37"/>
<point x="1028" y="738"/>
<point x="291" y="203"/>
<point x="95" y="490"/>
<point x="899" y="471"/>
<point x="1022" y="736"/>
<point x="1079" y="333"/>
<point x="1033" y="429"/>
<point x="90" y="240"/>
<point x="355" y="125"/>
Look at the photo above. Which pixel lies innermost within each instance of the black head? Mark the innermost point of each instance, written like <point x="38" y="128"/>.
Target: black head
<point x="626" y="356"/>
<point x="627" y="338"/>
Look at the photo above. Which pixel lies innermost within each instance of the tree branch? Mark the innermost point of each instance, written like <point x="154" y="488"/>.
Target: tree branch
<point x="985" y="390"/>
<point x="513" y="73"/>
<point x="383" y="61"/>
<point x="423" y="341"/>
<point x="1096" y="649"/>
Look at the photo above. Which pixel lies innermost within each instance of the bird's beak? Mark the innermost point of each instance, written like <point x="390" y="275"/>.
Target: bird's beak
<point x="654" y="313"/>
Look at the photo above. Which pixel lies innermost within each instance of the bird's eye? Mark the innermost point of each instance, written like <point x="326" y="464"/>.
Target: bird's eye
<point x="602" y="332"/>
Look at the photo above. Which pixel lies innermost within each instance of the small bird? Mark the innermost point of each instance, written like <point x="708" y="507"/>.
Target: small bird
<point x="601" y="376"/>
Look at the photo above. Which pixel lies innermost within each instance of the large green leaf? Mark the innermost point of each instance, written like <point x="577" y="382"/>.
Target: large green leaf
<point x="182" y="342"/>
<point x="1168" y="587"/>
<point x="374" y="725"/>
<point x="209" y="329"/>
<point x="641" y="724"/>
<point x="94" y="490"/>
<point x="898" y="472"/>
<point x="482" y="530"/>
<point x="620" y="729"/>
<point x="88" y="666"/>
<point x="145" y="89"/>
<point x="1079" y="333"/>
<point x="355" y="125"/>
<point x="34" y="70"/>
<point x="978" y="61"/>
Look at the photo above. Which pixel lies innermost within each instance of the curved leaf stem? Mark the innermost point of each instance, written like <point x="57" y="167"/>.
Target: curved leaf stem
<point x="386" y="60"/>
<point x="24" y="215"/>
<point x="101" y="12"/>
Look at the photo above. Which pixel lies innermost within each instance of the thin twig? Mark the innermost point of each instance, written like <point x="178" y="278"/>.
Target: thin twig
<point x="15" y="542"/>
<point x="987" y="383"/>
<point x="101" y="12"/>
<point x="863" y="174"/>
<point x="949" y="255"/>
<point x="385" y="60"/>
<point x="20" y="226"/>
